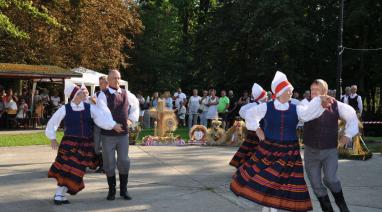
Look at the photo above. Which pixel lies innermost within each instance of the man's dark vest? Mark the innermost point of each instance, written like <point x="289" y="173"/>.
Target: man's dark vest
<point x="118" y="105"/>
<point x="322" y="132"/>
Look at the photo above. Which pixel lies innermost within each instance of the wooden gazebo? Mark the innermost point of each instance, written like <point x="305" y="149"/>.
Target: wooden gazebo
<point x="35" y="73"/>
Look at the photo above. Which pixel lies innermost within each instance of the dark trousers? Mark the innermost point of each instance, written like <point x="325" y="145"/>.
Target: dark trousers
<point x="322" y="161"/>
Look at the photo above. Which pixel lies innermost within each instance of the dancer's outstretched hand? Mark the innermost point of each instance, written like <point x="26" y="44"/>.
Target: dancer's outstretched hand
<point x="118" y="128"/>
<point x="54" y="144"/>
<point x="326" y="101"/>
<point x="344" y="141"/>
<point x="260" y="134"/>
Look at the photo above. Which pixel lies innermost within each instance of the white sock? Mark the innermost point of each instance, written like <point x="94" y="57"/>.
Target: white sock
<point x="273" y="210"/>
<point x="64" y="190"/>
<point x="268" y="209"/>
<point x="58" y="195"/>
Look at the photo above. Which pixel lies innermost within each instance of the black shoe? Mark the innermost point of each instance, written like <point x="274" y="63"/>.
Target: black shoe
<point x="60" y="202"/>
<point x="123" y="179"/>
<point x="65" y="202"/>
<point x="340" y="201"/>
<point x="57" y="202"/>
<point x="111" y="182"/>
<point x="326" y="206"/>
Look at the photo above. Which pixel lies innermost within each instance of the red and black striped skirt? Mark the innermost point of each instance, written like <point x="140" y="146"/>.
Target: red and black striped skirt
<point x="274" y="177"/>
<point x="75" y="154"/>
<point x="245" y="151"/>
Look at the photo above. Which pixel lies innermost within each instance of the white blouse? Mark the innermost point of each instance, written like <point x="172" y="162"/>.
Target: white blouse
<point x="243" y="110"/>
<point x="99" y="117"/>
<point x="133" y="102"/>
<point x="305" y="112"/>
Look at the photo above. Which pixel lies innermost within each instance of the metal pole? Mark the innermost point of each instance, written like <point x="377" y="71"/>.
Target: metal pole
<point x="340" y="51"/>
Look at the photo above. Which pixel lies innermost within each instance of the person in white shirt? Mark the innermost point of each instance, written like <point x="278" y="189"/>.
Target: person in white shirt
<point x="103" y="84"/>
<point x="55" y="100"/>
<point x="45" y="96"/>
<point x="22" y="110"/>
<point x="354" y="100"/>
<point x="203" y="109"/>
<point x="124" y="108"/>
<point x="11" y="106"/>
<point x="212" y="104"/>
<point x="179" y="96"/>
<point x="193" y="107"/>
<point x="321" y="142"/>
<point x="346" y="95"/>
<point x="182" y="113"/>
<point x="142" y="108"/>
<point x="76" y="150"/>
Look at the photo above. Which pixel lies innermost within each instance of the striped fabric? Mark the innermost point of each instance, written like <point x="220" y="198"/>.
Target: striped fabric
<point x="246" y="149"/>
<point x="274" y="177"/>
<point x="74" y="156"/>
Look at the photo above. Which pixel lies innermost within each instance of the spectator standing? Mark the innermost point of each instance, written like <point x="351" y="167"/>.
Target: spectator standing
<point x="182" y="113"/>
<point x="179" y="96"/>
<point x="223" y="108"/>
<point x="232" y="109"/>
<point x="212" y="112"/>
<point x="193" y="107"/>
<point x="203" y="109"/>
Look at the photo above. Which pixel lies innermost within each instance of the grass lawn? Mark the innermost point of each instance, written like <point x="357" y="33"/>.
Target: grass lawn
<point x="374" y="143"/>
<point x="26" y="139"/>
<point x="41" y="139"/>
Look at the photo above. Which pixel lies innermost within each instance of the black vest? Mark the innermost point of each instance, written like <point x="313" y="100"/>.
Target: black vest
<point x="353" y="102"/>
<point x="322" y="132"/>
<point x="118" y="105"/>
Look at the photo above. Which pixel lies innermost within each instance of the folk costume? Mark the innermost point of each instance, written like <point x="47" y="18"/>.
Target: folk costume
<point x="123" y="106"/>
<point x="76" y="150"/>
<point x="249" y="146"/>
<point x="274" y="176"/>
<point x="321" y="155"/>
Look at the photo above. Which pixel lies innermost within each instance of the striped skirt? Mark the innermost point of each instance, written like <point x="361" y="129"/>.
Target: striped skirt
<point x="246" y="149"/>
<point x="74" y="156"/>
<point x="274" y="177"/>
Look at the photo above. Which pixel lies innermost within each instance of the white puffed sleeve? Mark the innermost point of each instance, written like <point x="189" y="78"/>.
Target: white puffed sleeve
<point x="360" y="106"/>
<point x="309" y="111"/>
<point x="244" y="109"/>
<point x="102" y="102"/>
<point x="134" y="107"/>
<point x="348" y="114"/>
<point x="254" y="115"/>
<point x="102" y="118"/>
<point x="54" y="123"/>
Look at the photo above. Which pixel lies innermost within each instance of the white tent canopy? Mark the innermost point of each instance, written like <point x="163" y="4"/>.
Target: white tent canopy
<point x="90" y="78"/>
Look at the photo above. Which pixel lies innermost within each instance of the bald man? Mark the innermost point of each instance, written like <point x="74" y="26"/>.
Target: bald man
<point x="124" y="108"/>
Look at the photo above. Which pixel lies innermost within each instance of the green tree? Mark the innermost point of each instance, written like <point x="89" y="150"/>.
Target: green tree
<point x="6" y="24"/>
<point x="94" y="34"/>
<point x="157" y="56"/>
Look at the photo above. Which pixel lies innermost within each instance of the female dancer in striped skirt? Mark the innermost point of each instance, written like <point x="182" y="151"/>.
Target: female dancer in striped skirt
<point x="76" y="150"/>
<point x="249" y="146"/>
<point x="274" y="176"/>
